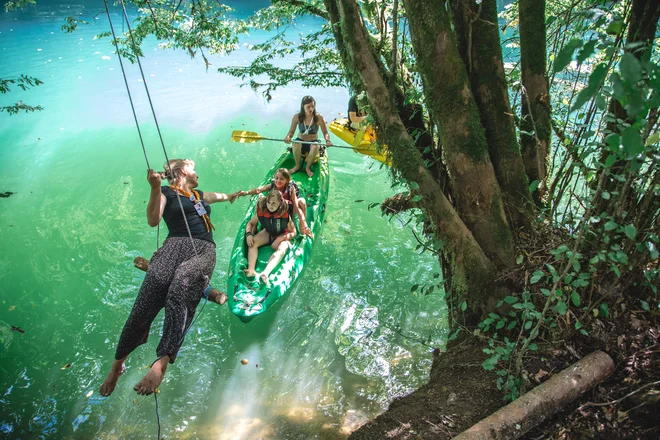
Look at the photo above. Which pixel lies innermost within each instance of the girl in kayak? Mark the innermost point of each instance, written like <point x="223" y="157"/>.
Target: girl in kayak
<point x="178" y="272"/>
<point x="277" y="229"/>
<point x="290" y="191"/>
<point x="308" y="123"/>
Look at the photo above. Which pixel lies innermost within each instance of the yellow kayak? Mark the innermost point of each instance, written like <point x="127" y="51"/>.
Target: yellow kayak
<point x="362" y="141"/>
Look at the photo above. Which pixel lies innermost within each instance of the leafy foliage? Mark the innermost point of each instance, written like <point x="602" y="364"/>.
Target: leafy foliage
<point x="23" y="82"/>
<point x="12" y="5"/>
<point x="605" y="189"/>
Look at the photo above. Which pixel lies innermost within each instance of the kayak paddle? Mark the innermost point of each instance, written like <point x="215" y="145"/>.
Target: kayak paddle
<point x="249" y="137"/>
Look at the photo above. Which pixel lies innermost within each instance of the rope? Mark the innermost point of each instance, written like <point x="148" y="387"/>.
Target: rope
<point x="153" y="112"/>
<point x="128" y="90"/>
<point x="179" y="346"/>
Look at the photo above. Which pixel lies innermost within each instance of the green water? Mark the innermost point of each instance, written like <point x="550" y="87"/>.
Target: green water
<point x="329" y="355"/>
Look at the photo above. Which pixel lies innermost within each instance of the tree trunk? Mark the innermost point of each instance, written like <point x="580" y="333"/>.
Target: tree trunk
<point x="478" y="39"/>
<point x="453" y="108"/>
<point x="521" y="415"/>
<point x="472" y="268"/>
<point x="535" y="97"/>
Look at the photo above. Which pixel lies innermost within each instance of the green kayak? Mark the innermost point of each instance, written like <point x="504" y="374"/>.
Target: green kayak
<point x="251" y="297"/>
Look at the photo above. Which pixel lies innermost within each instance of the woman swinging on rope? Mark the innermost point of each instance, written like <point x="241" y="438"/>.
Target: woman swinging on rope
<point x="178" y="272"/>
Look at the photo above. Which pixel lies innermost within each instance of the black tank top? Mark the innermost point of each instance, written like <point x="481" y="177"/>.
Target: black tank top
<point x="174" y="220"/>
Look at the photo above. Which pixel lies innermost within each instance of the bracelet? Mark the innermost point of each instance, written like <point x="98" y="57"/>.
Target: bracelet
<point x="247" y="233"/>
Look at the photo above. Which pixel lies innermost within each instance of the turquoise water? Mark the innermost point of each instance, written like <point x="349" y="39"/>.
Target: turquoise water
<point x="325" y="359"/>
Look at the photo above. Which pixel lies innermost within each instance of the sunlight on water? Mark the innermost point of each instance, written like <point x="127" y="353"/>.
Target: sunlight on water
<point x="347" y="339"/>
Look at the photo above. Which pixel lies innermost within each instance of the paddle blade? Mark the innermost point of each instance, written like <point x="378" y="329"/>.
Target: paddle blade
<point x="245" y="137"/>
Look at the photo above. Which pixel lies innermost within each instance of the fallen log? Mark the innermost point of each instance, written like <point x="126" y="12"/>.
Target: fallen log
<point x="534" y="407"/>
<point x="215" y="295"/>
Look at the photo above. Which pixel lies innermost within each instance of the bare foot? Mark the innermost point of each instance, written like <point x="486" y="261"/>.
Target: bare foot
<point x="249" y="273"/>
<point x="309" y="172"/>
<point x="294" y="170"/>
<point x="308" y="232"/>
<point x="217" y="297"/>
<point x="150" y="382"/>
<point x="108" y="386"/>
<point x="264" y="278"/>
<point x="141" y="263"/>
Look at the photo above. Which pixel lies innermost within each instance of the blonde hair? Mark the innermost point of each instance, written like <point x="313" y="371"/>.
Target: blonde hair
<point x="174" y="169"/>
<point x="284" y="205"/>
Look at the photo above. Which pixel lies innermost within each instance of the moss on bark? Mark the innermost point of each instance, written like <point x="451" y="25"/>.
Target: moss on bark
<point x="472" y="267"/>
<point x="479" y="44"/>
<point x="452" y="105"/>
<point x="535" y="99"/>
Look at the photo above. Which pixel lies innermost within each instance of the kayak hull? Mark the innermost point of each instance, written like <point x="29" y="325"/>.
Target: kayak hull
<point x="249" y="297"/>
<point x="363" y="143"/>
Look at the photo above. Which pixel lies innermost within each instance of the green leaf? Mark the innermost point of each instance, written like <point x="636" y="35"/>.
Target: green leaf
<point x="614" y="142"/>
<point x="610" y="161"/>
<point x="610" y="225"/>
<point x="561" y="307"/>
<point x="615" y="27"/>
<point x="654" y="138"/>
<point x="519" y="259"/>
<point x="605" y="310"/>
<point x="414" y="185"/>
<point x="566" y="54"/>
<point x="536" y="277"/>
<point x="605" y="195"/>
<point x="645" y="305"/>
<point x="631" y="68"/>
<point x="630" y="231"/>
<point x="510" y="299"/>
<point x="586" y="51"/>
<point x="533" y="347"/>
<point x="595" y="82"/>
<point x="414" y="287"/>
<point x="464" y="306"/>
<point x="632" y="142"/>
<point x="575" y="299"/>
<point x="417" y="198"/>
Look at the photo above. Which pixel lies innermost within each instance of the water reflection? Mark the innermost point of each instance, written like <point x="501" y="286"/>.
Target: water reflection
<point x="345" y="341"/>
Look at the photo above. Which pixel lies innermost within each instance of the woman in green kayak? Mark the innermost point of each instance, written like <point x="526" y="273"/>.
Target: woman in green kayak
<point x="308" y="123"/>
<point x="277" y="230"/>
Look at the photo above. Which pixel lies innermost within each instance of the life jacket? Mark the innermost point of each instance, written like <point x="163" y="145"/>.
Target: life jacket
<point x="273" y="222"/>
<point x="287" y="191"/>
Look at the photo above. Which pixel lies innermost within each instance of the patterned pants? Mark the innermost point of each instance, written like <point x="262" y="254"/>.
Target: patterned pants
<point x="176" y="280"/>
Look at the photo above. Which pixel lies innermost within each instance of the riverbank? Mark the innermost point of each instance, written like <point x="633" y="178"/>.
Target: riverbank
<point x="460" y="392"/>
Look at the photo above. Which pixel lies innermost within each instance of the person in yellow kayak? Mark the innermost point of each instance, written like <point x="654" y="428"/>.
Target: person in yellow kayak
<point x="357" y="121"/>
<point x="277" y="230"/>
<point x="308" y="123"/>
<point x="290" y="191"/>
